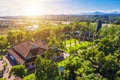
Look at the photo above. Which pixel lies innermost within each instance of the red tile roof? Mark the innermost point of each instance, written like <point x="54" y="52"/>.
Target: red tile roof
<point x="16" y="56"/>
<point x="21" y="51"/>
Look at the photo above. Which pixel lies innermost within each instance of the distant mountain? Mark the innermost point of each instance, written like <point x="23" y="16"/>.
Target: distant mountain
<point x="115" y="13"/>
<point x="99" y="13"/>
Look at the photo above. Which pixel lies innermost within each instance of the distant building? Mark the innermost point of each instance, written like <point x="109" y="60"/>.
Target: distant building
<point x="26" y="52"/>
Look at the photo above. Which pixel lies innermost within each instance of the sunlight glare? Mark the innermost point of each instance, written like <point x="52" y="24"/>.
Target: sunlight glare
<point x="33" y="10"/>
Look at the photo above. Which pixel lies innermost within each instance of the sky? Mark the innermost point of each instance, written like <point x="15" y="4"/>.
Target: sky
<point x="39" y="7"/>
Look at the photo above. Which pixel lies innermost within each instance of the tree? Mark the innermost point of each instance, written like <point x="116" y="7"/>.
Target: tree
<point x="18" y="70"/>
<point x="3" y="79"/>
<point x="99" y="25"/>
<point x="117" y="39"/>
<point x="3" y="44"/>
<point x="118" y="22"/>
<point x="30" y="77"/>
<point x="71" y="65"/>
<point x="109" y="67"/>
<point x="16" y="36"/>
<point x="42" y="33"/>
<point x="46" y="69"/>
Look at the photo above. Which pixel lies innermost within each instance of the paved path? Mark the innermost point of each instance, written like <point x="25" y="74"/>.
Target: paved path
<point x="1" y="65"/>
<point x="6" y="73"/>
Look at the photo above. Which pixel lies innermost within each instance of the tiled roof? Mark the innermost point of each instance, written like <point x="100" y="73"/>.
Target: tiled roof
<point x="16" y="56"/>
<point x="21" y="51"/>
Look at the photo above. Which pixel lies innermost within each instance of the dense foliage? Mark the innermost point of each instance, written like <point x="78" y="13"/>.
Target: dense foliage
<point x="46" y="69"/>
<point x="18" y="70"/>
<point x="100" y="62"/>
<point x="30" y="77"/>
<point x="93" y="56"/>
<point x="3" y="44"/>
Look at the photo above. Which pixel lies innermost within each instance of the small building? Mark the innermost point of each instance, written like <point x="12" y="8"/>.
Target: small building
<point x="58" y="54"/>
<point x="26" y="53"/>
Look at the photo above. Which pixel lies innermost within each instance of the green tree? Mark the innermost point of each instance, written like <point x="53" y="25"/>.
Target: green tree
<point x="46" y="69"/>
<point x="30" y="77"/>
<point x="3" y="79"/>
<point x="3" y="44"/>
<point x="17" y="36"/>
<point x="109" y="67"/>
<point x="18" y="70"/>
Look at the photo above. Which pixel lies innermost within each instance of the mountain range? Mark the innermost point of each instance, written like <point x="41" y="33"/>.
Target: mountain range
<point x="97" y="13"/>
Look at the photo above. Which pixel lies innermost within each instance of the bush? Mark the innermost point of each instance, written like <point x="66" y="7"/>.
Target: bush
<point x="18" y="70"/>
<point x="3" y="79"/>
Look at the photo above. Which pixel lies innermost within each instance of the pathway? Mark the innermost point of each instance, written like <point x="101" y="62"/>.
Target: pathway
<point x="6" y="73"/>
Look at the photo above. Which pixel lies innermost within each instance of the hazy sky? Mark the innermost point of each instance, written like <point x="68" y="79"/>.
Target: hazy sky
<point x="36" y="7"/>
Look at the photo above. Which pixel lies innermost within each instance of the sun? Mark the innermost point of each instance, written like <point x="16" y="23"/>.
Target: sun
<point x="33" y="10"/>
